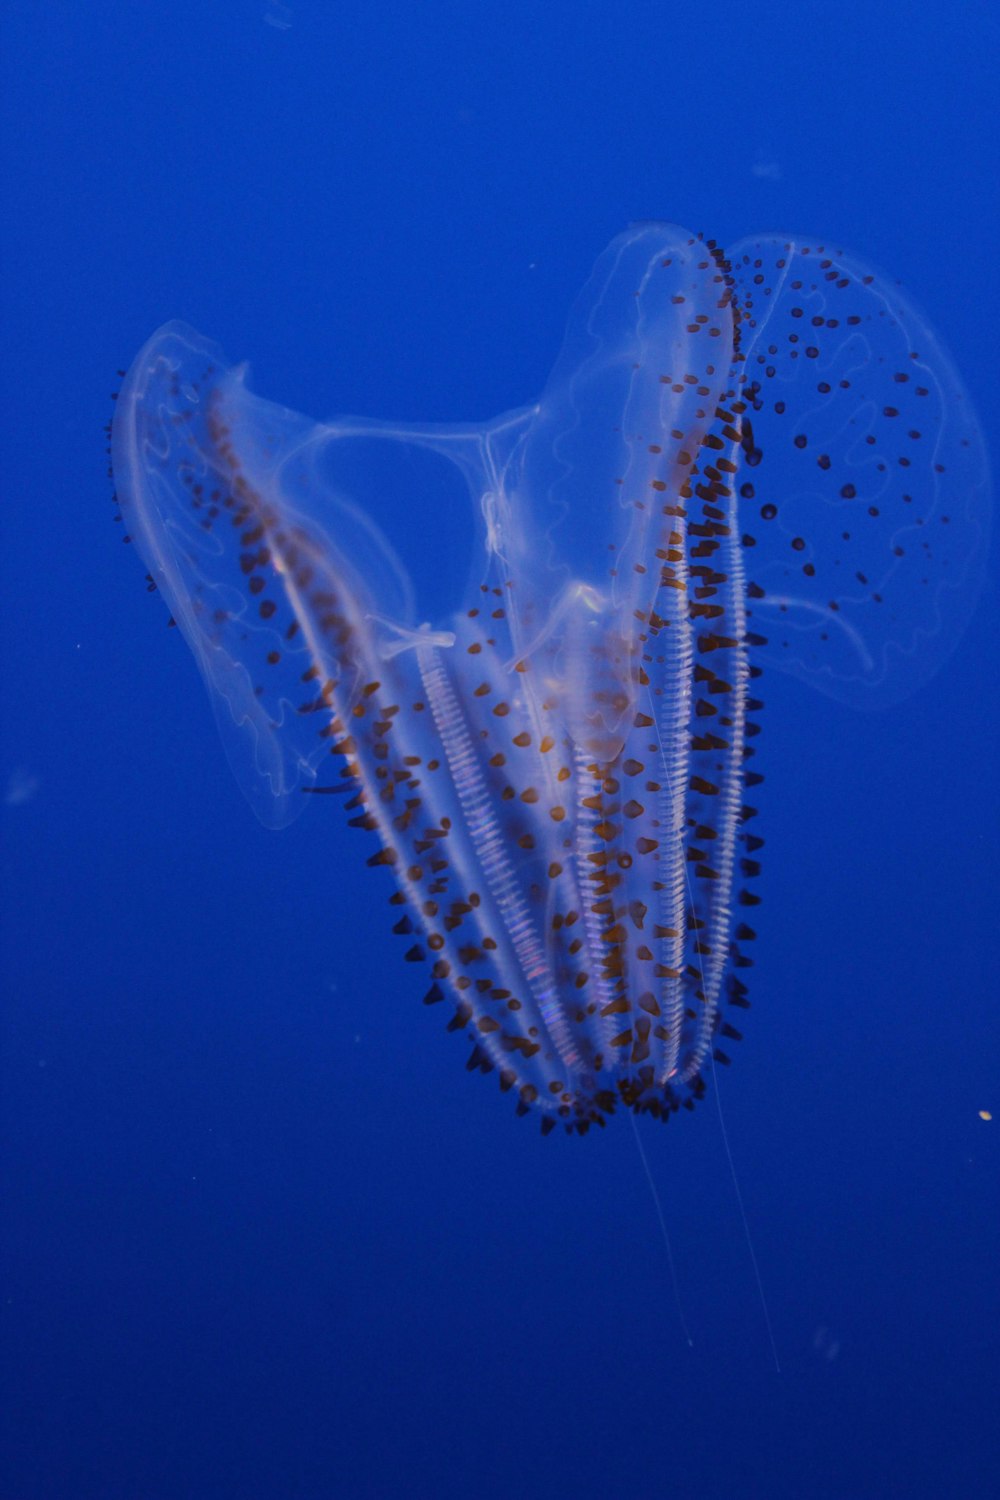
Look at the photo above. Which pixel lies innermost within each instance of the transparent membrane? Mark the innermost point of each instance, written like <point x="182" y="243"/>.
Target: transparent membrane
<point x="865" y="491"/>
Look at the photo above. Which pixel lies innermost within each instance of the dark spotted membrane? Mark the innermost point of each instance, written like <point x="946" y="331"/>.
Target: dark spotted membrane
<point x="756" y="457"/>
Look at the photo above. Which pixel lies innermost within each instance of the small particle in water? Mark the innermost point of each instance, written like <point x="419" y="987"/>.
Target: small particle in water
<point x="22" y="786"/>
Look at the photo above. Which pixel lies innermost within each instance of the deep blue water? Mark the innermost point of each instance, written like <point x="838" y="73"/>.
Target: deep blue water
<point x="262" y="1235"/>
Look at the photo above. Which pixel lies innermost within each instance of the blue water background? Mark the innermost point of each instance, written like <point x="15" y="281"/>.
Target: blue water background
<point x="262" y="1236"/>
